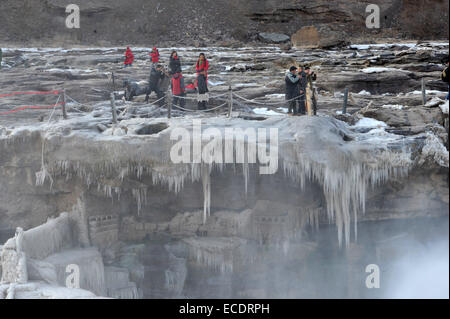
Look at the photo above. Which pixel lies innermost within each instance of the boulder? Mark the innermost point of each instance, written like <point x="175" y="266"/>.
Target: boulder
<point x="417" y="116"/>
<point x="273" y="37"/>
<point x="321" y="36"/>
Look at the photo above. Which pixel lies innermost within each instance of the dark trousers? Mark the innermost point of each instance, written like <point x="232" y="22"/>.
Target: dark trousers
<point x="293" y="106"/>
<point x="202" y="105"/>
<point x="159" y="94"/>
<point x="314" y="101"/>
<point x="177" y="100"/>
<point x="297" y="106"/>
<point x="302" y="104"/>
<point x="314" y="104"/>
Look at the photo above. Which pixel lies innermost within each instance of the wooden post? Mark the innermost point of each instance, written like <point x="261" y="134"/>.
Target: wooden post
<point x="230" y="102"/>
<point x="113" y="108"/>
<point x="424" y="92"/>
<point x="344" y="107"/>
<point x="169" y="103"/>
<point x="64" y="111"/>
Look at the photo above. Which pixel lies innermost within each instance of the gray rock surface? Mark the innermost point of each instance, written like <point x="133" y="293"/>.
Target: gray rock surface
<point x="273" y="37"/>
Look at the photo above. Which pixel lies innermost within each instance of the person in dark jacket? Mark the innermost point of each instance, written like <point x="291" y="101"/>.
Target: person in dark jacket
<point x="302" y="90"/>
<point x="445" y="76"/>
<point x="156" y="76"/>
<point x="174" y="64"/>
<point x="178" y="91"/>
<point x="292" y="89"/>
<point x="310" y="78"/>
<point x="202" y="67"/>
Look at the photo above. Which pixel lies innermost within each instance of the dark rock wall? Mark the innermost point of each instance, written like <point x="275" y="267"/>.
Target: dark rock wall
<point x="203" y="22"/>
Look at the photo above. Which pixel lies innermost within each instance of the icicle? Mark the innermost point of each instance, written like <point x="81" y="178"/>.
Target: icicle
<point x="43" y="174"/>
<point x="245" y="172"/>
<point x="140" y="195"/>
<point x="206" y="181"/>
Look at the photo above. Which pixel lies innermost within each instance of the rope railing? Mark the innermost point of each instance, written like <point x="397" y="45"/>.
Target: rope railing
<point x="31" y="107"/>
<point x="226" y="98"/>
<point x="264" y="103"/>
<point x="204" y="111"/>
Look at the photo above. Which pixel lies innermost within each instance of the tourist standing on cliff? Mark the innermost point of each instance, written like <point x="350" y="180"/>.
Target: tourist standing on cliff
<point x="155" y="55"/>
<point x="177" y="84"/>
<point x="292" y="89"/>
<point x="129" y="58"/>
<point x="174" y="63"/>
<point x="201" y="68"/>
<point x="156" y="77"/>
<point x="302" y="83"/>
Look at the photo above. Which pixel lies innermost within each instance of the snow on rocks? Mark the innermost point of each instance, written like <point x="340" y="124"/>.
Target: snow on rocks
<point x="393" y="106"/>
<point x="444" y="107"/>
<point x="115" y="131"/>
<point x="265" y="111"/>
<point x="379" y="70"/>
<point x="435" y="151"/>
<point x="428" y="92"/>
<point x="435" y="101"/>
<point x="369" y="122"/>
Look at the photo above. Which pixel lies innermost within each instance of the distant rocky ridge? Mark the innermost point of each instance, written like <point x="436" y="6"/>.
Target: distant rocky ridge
<point x="222" y="22"/>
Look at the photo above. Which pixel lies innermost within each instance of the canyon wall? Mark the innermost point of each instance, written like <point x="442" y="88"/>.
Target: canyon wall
<point x="205" y="22"/>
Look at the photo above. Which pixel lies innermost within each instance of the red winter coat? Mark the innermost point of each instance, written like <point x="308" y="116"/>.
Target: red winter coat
<point x="177" y="84"/>
<point x="204" y="67"/>
<point x="129" y="57"/>
<point x="155" y="55"/>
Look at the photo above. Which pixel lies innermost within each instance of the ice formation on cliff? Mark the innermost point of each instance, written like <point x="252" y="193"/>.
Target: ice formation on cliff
<point x="311" y="149"/>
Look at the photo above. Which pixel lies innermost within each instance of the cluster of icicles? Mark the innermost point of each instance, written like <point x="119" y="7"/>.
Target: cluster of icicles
<point x="344" y="185"/>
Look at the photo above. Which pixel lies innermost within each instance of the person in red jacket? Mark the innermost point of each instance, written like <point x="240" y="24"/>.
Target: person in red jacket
<point x="202" y="67"/>
<point x="129" y="57"/>
<point x="178" y="90"/>
<point x="155" y="55"/>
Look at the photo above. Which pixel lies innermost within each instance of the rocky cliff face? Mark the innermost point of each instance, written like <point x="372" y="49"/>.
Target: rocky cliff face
<point x="157" y="22"/>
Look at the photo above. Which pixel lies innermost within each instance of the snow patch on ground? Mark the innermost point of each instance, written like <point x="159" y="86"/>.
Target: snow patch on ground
<point x="369" y="122"/>
<point x="393" y="106"/>
<point x="215" y="83"/>
<point x="364" y="92"/>
<point x="427" y="92"/>
<point x="379" y="70"/>
<point x="275" y="96"/>
<point x="380" y="46"/>
<point x="265" y="111"/>
<point x="391" y="45"/>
